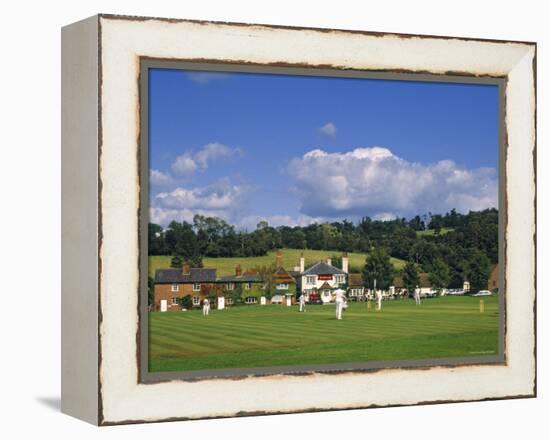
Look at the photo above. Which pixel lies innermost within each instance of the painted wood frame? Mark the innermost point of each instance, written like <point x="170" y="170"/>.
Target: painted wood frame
<point x="101" y="234"/>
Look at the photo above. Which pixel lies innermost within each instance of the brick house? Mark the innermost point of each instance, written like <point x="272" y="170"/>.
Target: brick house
<point x="173" y="284"/>
<point x="249" y="283"/>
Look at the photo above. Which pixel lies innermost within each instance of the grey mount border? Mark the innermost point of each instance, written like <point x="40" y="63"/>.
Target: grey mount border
<point x="288" y="69"/>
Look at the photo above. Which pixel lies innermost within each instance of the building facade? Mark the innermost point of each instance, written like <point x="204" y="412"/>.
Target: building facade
<point x="322" y="279"/>
<point x="171" y="285"/>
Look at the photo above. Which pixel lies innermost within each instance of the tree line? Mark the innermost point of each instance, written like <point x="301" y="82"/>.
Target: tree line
<point x="457" y="247"/>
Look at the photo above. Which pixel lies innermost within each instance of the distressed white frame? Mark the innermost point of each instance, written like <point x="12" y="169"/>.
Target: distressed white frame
<point x="122" y="41"/>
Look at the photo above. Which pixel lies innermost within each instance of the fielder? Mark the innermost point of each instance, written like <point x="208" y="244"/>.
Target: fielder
<point x="417" y="296"/>
<point x="378" y="299"/>
<point x="205" y="307"/>
<point x="302" y="303"/>
<point x="340" y="297"/>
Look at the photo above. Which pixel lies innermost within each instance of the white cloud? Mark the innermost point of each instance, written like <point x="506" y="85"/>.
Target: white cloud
<point x="212" y="197"/>
<point x="222" y="199"/>
<point x="188" y="162"/>
<point x="163" y="216"/>
<point x="184" y="164"/>
<point x="328" y="129"/>
<point x="375" y="182"/>
<point x="214" y="151"/>
<point x="206" y="77"/>
<point x="158" y="178"/>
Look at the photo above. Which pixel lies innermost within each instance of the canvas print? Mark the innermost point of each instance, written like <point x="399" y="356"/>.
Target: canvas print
<point x="302" y="221"/>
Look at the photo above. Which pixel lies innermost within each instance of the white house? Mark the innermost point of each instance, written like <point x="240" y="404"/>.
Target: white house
<point x="323" y="278"/>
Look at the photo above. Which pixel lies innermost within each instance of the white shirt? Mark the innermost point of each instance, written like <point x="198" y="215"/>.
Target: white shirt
<point x="339" y="294"/>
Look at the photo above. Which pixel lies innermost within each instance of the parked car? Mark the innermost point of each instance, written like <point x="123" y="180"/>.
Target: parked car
<point x="482" y="293"/>
<point x="455" y="292"/>
<point x="314" y="298"/>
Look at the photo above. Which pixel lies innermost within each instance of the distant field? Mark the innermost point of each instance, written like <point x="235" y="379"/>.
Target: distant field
<point x="425" y="232"/>
<point x="273" y="335"/>
<point x="291" y="257"/>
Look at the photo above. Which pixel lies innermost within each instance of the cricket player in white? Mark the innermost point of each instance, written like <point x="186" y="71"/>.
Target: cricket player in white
<point x="339" y="295"/>
<point x="417" y="296"/>
<point x="303" y="303"/>
<point x="205" y="307"/>
<point x="378" y="299"/>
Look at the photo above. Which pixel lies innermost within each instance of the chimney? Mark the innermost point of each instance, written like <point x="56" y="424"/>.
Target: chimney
<point x="345" y="262"/>
<point x="186" y="268"/>
<point x="279" y="259"/>
<point x="302" y="262"/>
<point x="238" y="270"/>
<point x="329" y="261"/>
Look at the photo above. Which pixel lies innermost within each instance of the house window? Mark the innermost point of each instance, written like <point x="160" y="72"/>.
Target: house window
<point x="175" y="288"/>
<point x="229" y="300"/>
<point x="282" y="286"/>
<point x="196" y="300"/>
<point x="230" y="286"/>
<point x="251" y="300"/>
<point x="175" y="301"/>
<point x="310" y="279"/>
<point x="196" y="287"/>
<point x="247" y="286"/>
<point x="339" y="279"/>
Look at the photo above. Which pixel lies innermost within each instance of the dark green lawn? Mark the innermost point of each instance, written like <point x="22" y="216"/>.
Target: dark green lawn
<point x="273" y="335"/>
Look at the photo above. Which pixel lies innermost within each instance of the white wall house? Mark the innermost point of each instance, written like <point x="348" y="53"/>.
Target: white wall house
<point x="323" y="278"/>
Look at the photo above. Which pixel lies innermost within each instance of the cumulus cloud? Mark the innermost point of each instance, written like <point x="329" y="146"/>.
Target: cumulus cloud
<point x="206" y="77"/>
<point x="188" y="162"/>
<point x="214" y="151"/>
<point x="374" y="181"/>
<point x="328" y="129"/>
<point x="184" y="164"/>
<point x="158" y="178"/>
<point x="222" y="199"/>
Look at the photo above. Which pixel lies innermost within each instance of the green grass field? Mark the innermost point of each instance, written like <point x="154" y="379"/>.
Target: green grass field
<point x="291" y="257"/>
<point x="430" y="232"/>
<point x="273" y="335"/>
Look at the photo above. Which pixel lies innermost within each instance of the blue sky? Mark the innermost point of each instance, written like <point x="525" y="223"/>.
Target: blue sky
<point x="298" y="149"/>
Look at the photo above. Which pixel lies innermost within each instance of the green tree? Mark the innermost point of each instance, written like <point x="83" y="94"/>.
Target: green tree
<point x="477" y="270"/>
<point x="378" y="267"/>
<point x="411" y="279"/>
<point x="237" y="294"/>
<point x="186" y="302"/>
<point x="156" y="239"/>
<point x="440" y="274"/>
<point x="150" y="291"/>
<point x="266" y="274"/>
<point x="176" y="262"/>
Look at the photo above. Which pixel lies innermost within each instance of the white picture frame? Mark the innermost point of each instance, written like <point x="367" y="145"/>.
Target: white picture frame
<point x="101" y="381"/>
